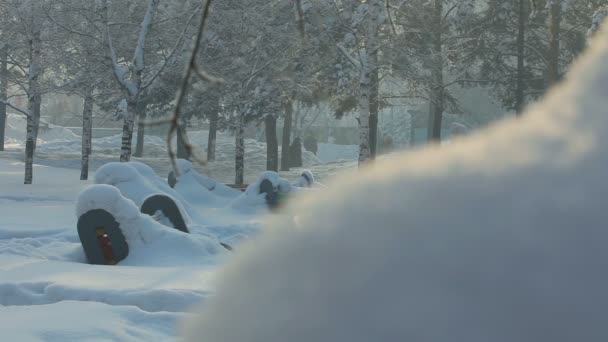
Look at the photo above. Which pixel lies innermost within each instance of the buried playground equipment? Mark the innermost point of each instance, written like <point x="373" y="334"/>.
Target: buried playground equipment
<point x="101" y="237"/>
<point x="166" y="205"/>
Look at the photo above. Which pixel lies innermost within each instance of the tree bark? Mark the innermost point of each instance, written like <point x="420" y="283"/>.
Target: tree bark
<point x="239" y="162"/>
<point x="211" y="140"/>
<point x="87" y="133"/>
<point x="141" y="130"/>
<point x="521" y="41"/>
<point x="182" y="151"/>
<point x="364" y="89"/>
<point x="369" y="61"/>
<point x="555" y="18"/>
<point x="3" y="93"/>
<point x="272" y="144"/>
<point x="286" y="141"/>
<point x="437" y="98"/>
<point x="127" y="131"/>
<point x="34" y="99"/>
<point x="373" y="107"/>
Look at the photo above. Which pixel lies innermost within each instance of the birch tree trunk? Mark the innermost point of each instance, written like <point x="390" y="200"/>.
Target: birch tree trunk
<point x="141" y="131"/>
<point x="239" y="162"/>
<point x="211" y="139"/>
<point x="286" y="140"/>
<point x="368" y="64"/>
<point x="521" y="41"/>
<point x="182" y="151"/>
<point x="34" y="98"/>
<point x="272" y="145"/>
<point x="555" y="18"/>
<point x="127" y="131"/>
<point x="373" y="105"/>
<point x="364" y="89"/>
<point x="132" y="86"/>
<point x="3" y="92"/>
<point x="436" y="105"/>
<point x="87" y="133"/>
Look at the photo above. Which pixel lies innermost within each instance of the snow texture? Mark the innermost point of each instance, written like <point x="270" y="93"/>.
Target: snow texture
<point x="192" y="185"/>
<point x="498" y="237"/>
<point x="137" y="182"/>
<point x="149" y="241"/>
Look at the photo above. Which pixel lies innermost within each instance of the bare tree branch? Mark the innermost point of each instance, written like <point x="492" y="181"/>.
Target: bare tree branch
<point x="191" y="68"/>
<point x="300" y="17"/>
<point x="15" y="108"/>
<point x="172" y="53"/>
<point x="350" y="58"/>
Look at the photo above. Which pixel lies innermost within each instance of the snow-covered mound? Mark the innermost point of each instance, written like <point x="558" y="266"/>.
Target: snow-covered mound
<point x="16" y="131"/>
<point x="498" y="237"/>
<point x="197" y="188"/>
<point x="150" y="243"/>
<point x="252" y="197"/>
<point x="136" y="181"/>
<point x="306" y="180"/>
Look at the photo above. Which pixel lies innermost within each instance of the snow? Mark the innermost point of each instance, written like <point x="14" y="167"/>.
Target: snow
<point x="499" y="236"/>
<point x="49" y="293"/>
<point x="332" y="152"/>
<point x="306" y="180"/>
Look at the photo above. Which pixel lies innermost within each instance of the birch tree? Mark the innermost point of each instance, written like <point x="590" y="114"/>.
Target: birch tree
<point x="366" y="22"/>
<point x="3" y="91"/>
<point x="34" y="21"/>
<point x="130" y="75"/>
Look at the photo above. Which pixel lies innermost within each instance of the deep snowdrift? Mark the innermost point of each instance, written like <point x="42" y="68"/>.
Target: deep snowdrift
<point x="498" y="237"/>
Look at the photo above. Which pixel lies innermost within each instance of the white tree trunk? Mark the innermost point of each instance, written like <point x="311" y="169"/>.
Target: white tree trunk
<point x="132" y="85"/>
<point x="3" y="92"/>
<point x="34" y="97"/>
<point x="367" y="65"/>
<point x="127" y="132"/>
<point x="239" y="159"/>
<point x="364" y="88"/>
<point x="87" y="133"/>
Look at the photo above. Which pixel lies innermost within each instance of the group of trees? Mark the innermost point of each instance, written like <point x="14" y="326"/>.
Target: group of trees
<point x="274" y="56"/>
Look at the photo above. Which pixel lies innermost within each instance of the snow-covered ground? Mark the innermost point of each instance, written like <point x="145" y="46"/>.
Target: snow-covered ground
<point x="48" y="292"/>
<point x="58" y="146"/>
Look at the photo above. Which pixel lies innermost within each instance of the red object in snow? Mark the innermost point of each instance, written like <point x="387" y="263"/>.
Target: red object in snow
<point x="105" y="244"/>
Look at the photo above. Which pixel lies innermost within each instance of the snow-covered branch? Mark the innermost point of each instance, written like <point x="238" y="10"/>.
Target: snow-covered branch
<point x="174" y="120"/>
<point x="138" y="57"/>
<point x="6" y="103"/>
<point x="350" y="58"/>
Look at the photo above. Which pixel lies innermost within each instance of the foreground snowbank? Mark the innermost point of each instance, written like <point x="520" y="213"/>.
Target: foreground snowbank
<point x="499" y="237"/>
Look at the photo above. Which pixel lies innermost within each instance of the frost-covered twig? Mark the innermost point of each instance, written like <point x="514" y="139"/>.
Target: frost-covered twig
<point x="350" y="58"/>
<point x="390" y="18"/>
<point x="15" y="108"/>
<point x="172" y="53"/>
<point x="300" y="17"/>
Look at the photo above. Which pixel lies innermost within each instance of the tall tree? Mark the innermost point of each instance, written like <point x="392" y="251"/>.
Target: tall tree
<point x="130" y="77"/>
<point x="34" y="22"/>
<point x="3" y="91"/>
<point x="553" y="54"/>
